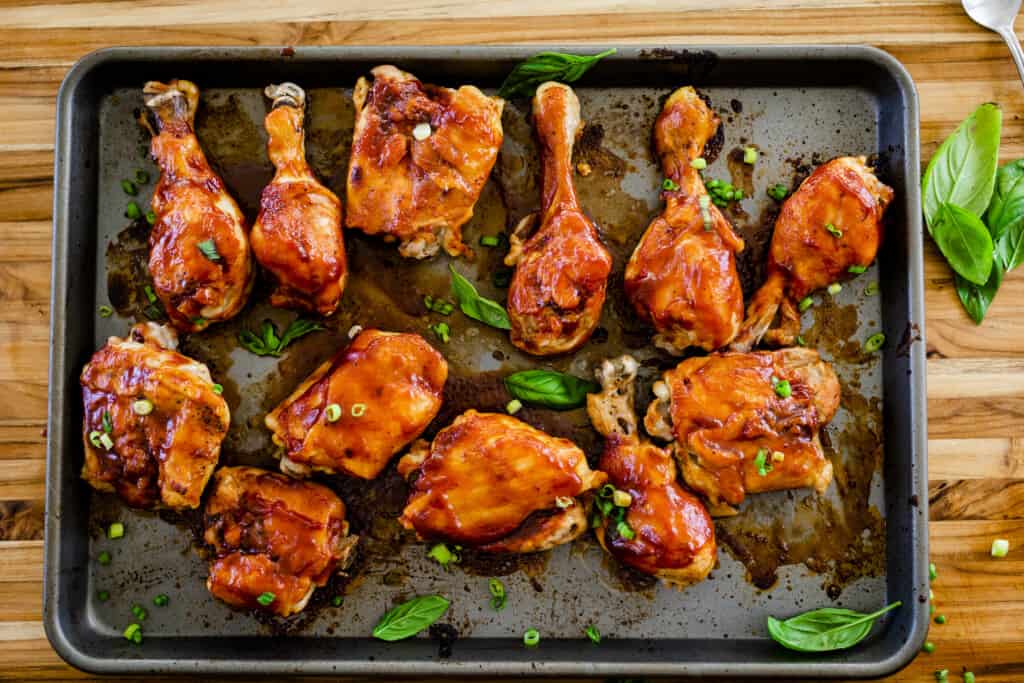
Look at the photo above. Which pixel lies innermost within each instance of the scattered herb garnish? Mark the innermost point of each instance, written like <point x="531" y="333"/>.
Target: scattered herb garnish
<point x="268" y="343"/>
<point x="209" y="249"/>
<point x="750" y="155"/>
<point x="941" y="619"/>
<point x="409" y="618"/>
<point x="115" y="530"/>
<point x="783" y="389"/>
<point x="133" y="211"/>
<point x="550" y="389"/>
<point x="498" y="596"/>
<point x="444" y="555"/>
<point x="475" y="306"/>
<point x="443" y="331"/>
<point x="1000" y="547"/>
<point x="531" y="637"/>
<point x="151" y="218"/>
<point x="822" y="630"/>
<point x="778" y="192"/>
<point x="490" y="241"/>
<point x="722" y="192"/>
<point x="139" y="612"/>
<point x="103" y="596"/>
<point x="761" y="461"/>
<point x="933" y="573"/>
<point x="133" y="633"/>
<point x="150" y="294"/>
<point x="928" y="647"/>
<point x="700" y="163"/>
<point x="669" y="185"/>
<point x="856" y="270"/>
<point x="592" y="633"/>
<point x="800" y="341"/>
<point x="108" y="424"/>
<point x="106" y="311"/>
<point x="834" y="288"/>
<point x="218" y="389"/>
<point x="871" y="289"/>
<point x="266" y="599"/>
<point x="547" y="66"/>
<point x="161" y="600"/>
<point x="833" y="230"/>
<point x="103" y="558"/>
<point x="513" y="406"/>
<point x="438" y="305"/>
<point x="874" y="342"/>
<point x="332" y="413"/>
<point x="129" y="188"/>
<point x="337" y="600"/>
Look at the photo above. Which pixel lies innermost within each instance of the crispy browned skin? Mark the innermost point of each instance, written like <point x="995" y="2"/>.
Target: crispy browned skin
<point x="192" y="206"/>
<point x="165" y="458"/>
<point x="674" y="536"/>
<point x="682" y="275"/>
<point x="805" y="256"/>
<point x="388" y="387"/>
<point x="297" y="235"/>
<point x="273" y="534"/>
<point x="558" y="289"/>
<point x="419" y="192"/>
<point x="491" y="481"/>
<point x="721" y="409"/>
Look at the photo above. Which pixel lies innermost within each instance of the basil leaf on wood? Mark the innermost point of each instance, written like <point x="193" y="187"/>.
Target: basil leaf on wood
<point x="965" y="242"/>
<point x="977" y="298"/>
<point x="963" y="170"/>
<point x="475" y="306"/>
<point x="822" y="630"/>
<point x="409" y="618"/>
<point x="1005" y="215"/>
<point x="550" y="389"/>
<point x="548" y="66"/>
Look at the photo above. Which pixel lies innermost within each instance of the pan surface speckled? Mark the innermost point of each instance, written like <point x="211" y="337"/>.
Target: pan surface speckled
<point x="862" y="545"/>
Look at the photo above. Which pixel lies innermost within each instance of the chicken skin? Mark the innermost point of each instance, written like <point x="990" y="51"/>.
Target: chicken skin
<point x="297" y="235"/>
<point x="747" y="422"/>
<point x="275" y="539"/>
<point x="674" y="539"/>
<point x="832" y="223"/>
<point x="562" y="268"/>
<point x="199" y="247"/>
<point x="682" y="275"/>
<point x="492" y="482"/>
<point x="153" y="423"/>
<point x="420" y="157"/>
<point x="361" y="407"/>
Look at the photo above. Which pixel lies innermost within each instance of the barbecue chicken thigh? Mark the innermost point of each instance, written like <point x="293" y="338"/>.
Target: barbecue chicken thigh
<point x="361" y="407"/>
<point x="562" y="268"/>
<point x="297" y="235"/>
<point x="492" y="482"/>
<point x="682" y="275"/>
<point x="153" y="423"/>
<point x="673" y="538"/>
<point x="747" y="422"/>
<point x="199" y="247"/>
<point x="420" y="157"/>
<point x="275" y="539"/>
<point x="832" y="223"/>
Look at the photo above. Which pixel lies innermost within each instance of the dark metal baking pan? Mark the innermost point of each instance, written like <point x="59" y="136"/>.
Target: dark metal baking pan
<point x="862" y="545"/>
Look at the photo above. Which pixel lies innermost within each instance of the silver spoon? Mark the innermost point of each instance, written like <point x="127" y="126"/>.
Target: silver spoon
<point x="998" y="16"/>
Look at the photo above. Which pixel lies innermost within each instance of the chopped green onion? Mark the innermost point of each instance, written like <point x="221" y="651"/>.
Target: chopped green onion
<point x="161" y="600"/>
<point x="705" y="201"/>
<point x="931" y="610"/>
<point x="150" y="217"/>
<point x="929" y="647"/>
<point x="592" y="633"/>
<point x="700" y="163"/>
<point x="968" y="677"/>
<point x="489" y="241"/>
<point x="94" y="439"/>
<point x="103" y="558"/>
<point x="129" y="188"/>
<point x="931" y="594"/>
<point x="833" y="230"/>
<point x="141" y="177"/>
<point x="139" y="612"/>
<point x="624" y="530"/>
<point x="108" y="424"/>
<point x="209" y="249"/>
<point x="932" y="572"/>
<point x="805" y="303"/>
<point x="150" y="294"/>
<point x="332" y="412"/>
<point x="106" y="441"/>
<point x="103" y="596"/>
<point x="606" y="491"/>
<point x="834" y="288"/>
<point x="358" y="409"/>
<point x="513" y="406"/>
<point x="940" y="619"/>
<point x="142" y="407"/>
<point x="778" y="456"/>
<point x="498" y="596"/>
<point x="778" y="192"/>
<point x="942" y="675"/>
<point x="133" y="633"/>
<point x="531" y="637"/>
<point x="749" y="156"/>
<point x="266" y="598"/>
<point x="337" y="600"/>
<point x="871" y="289"/>
<point x="115" y="530"/>
<point x="783" y="388"/>
<point x="761" y="461"/>
<point x="856" y="270"/>
<point x="443" y="331"/>
<point x="1000" y="547"/>
<point x="737" y="193"/>
<point x="106" y="311"/>
<point x="133" y="211"/>
<point x="443" y="555"/>
<point x="422" y="131"/>
<point x="669" y="185"/>
<point x="874" y="342"/>
<point x="622" y="499"/>
<point x="218" y="389"/>
<point x="800" y="341"/>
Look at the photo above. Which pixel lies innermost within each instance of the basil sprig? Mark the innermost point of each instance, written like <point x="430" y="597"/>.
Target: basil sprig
<point x="475" y="306"/>
<point x="1006" y="215"/>
<point x="269" y="343"/>
<point x="548" y="66"/>
<point x="822" y="630"/>
<point x="550" y="389"/>
<point x="409" y="618"/>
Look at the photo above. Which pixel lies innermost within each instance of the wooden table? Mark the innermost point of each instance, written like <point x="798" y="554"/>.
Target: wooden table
<point x="975" y="374"/>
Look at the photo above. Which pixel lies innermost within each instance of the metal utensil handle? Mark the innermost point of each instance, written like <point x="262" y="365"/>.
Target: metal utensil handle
<point x="1018" y="54"/>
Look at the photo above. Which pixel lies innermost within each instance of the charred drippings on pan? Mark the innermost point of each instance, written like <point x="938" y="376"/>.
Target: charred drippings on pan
<point x="386" y="291"/>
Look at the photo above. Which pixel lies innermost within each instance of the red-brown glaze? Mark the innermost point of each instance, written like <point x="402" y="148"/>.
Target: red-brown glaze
<point x="805" y="256"/>
<point x="724" y="408"/>
<point x="297" y="235"/>
<point x="275" y="534"/>
<point x="558" y="289"/>
<point x="397" y="378"/>
<point x="419" y="192"/>
<point x="485" y="474"/>
<point x="192" y="206"/>
<point x="682" y="275"/>
<point x="165" y="458"/>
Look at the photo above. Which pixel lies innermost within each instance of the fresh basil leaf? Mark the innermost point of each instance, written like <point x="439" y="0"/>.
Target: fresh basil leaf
<point x="548" y="66"/>
<point x="977" y="298"/>
<point x="550" y="389"/>
<point x="965" y="242"/>
<point x="1005" y="215"/>
<point x="822" y="630"/>
<point x="475" y="306"/>
<point x="410" y="617"/>
<point x="298" y="328"/>
<point x="963" y="170"/>
<point x="268" y="343"/>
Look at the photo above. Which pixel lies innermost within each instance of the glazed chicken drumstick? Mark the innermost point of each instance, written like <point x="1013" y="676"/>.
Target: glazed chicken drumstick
<point x="682" y="275"/>
<point x="672" y="534"/>
<point x="199" y="248"/>
<point x="562" y="268"/>
<point x="297" y="235"/>
<point x="828" y="230"/>
<point x="747" y="422"/>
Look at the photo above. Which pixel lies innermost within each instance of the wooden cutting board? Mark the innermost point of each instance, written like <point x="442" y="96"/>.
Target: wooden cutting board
<point x="975" y="374"/>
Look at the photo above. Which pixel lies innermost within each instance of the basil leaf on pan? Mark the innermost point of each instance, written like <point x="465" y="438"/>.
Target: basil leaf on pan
<point x="548" y="66"/>
<point x="409" y="618"/>
<point x="550" y="389"/>
<point x="977" y="298"/>
<point x="822" y="630"/>
<point x="268" y="343"/>
<point x="1005" y="215"/>
<point x="963" y="169"/>
<point x="965" y="242"/>
<point x="475" y="306"/>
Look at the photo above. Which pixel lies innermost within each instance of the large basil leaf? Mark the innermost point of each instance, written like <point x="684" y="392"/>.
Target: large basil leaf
<point x="550" y="389"/>
<point x="410" y="617"/>
<point x="963" y="170"/>
<point x="475" y="306"/>
<point x="977" y="298"/>
<point x="548" y="66"/>
<point x="1005" y="216"/>
<point x="821" y="630"/>
<point x="965" y="242"/>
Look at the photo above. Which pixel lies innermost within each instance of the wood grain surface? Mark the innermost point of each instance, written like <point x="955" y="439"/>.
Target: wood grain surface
<point x="975" y="374"/>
